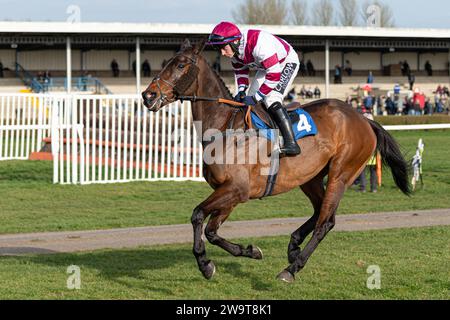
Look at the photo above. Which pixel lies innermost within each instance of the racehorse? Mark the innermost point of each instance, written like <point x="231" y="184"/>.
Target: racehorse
<point x="344" y="143"/>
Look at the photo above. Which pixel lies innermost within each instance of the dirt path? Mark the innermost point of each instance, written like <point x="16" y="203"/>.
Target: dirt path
<point x="71" y="241"/>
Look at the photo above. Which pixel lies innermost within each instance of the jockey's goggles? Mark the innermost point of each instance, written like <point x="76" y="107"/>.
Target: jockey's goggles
<point x="219" y="42"/>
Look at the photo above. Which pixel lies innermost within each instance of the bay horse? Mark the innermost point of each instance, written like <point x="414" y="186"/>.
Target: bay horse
<point x="344" y="143"/>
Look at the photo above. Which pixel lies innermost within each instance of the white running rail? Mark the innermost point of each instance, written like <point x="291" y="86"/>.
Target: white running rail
<point x="108" y="138"/>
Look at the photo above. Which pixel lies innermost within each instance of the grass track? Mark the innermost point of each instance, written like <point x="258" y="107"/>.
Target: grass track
<point x="413" y="262"/>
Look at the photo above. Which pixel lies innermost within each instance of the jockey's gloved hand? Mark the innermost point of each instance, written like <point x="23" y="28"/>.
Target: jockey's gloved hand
<point x="241" y="93"/>
<point x="240" y="96"/>
<point x="249" y="101"/>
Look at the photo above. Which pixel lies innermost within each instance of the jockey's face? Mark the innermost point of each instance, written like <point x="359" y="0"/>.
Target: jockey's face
<point x="227" y="51"/>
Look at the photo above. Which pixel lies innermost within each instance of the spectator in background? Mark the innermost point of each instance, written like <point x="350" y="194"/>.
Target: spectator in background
<point x="302" y="68"/>
<point x="418" y="102"/>
<point x="370" y="77"/>
<point x="291" y="96"/>
<point x="398" y="105"/>
<point x="115" y="68"/>
<point x="409" y="106"/>
<point x="390" y="106"/>
<point x="133" y="66"/>
<point x="317" y="92"/>
<point x="428" y="107"/>
<point x="303" y="92"/>
<point x="406" y="70"/>
<point x="411" y="80"/>
<point x="397" y="89"/>
<point x="310" y="92"/>
<point x="437" y="102"/>
<point x="146" y="69"/>
<point x="337" y="74"/>
<point x="381" y="103"/>
<point x="428" y="68"/>
<point x="372" y="166"/>
<point x="1" y="70"/>
<point x="310" y="69"/>
<point x="445" y="103"/>
<point x="348" y="68"/>
<point x="85" y="77"/>
<point x="46" y="79"/>
<point x="367" y="103"/>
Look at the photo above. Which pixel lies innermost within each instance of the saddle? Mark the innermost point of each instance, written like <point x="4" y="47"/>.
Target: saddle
<point x="303" y="124"/>
<point x="264" y="116"/>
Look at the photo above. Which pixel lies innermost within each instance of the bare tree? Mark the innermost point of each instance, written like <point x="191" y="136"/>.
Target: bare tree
<point x="386" y="15"/>
<point x="348" y="15"/>
<point x="323" y="13"/>
<point x="299" y="12"/>
<point x="261" y="12"/>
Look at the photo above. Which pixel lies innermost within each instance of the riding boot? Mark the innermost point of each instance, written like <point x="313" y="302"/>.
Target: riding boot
<point x="281" y="117"/>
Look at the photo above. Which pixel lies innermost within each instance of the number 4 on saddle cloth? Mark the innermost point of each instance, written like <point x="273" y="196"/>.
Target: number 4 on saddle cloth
<point x="302" y="124"/>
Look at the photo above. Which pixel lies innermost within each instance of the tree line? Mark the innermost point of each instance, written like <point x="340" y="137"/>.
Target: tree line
<point x="312" y="12"/>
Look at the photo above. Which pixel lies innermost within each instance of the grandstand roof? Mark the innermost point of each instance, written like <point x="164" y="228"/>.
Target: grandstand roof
<point x="65" y="28"/>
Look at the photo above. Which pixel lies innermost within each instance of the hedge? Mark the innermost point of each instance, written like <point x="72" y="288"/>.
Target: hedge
<point x="405" y="120"/>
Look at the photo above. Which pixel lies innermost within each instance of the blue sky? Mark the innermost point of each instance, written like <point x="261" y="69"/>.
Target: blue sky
<point x="408" y="13"/>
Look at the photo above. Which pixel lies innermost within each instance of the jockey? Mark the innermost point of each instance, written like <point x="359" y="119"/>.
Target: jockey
<point x="277" y="65"/>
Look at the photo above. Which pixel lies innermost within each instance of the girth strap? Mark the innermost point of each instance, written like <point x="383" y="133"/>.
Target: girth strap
<point x="273" y="173"/>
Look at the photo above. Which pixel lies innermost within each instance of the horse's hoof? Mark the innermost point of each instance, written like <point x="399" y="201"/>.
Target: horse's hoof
<point x="256" y="253"/>
<point x="209" y="270"/>
<point x="286" y="276"/>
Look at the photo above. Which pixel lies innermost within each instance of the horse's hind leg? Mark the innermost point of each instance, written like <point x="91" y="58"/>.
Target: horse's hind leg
<point x="325" y="222"/>
<point x="236" y="250"/>
<point x="315" y="191"/>
<point x="221" y="201"/>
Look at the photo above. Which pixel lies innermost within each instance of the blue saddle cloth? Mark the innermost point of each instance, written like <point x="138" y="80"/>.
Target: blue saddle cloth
<point x="302" y="125"/>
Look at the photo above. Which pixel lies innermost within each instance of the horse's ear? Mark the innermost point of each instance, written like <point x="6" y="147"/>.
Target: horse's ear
<point x="198" y="49"/>
<point x="186" y="44"/>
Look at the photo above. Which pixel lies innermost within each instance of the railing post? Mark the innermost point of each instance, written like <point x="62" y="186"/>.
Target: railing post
<point x="68" y="65"/>
<point x="138" y="65"/>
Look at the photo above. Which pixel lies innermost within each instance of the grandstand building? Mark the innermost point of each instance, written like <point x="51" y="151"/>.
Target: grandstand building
<point x="69" y="50"/>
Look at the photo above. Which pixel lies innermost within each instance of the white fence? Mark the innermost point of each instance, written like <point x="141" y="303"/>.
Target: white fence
<point x="107" y="138"/>
<point x="24" y="121"/>
<point x="102" y="138"/>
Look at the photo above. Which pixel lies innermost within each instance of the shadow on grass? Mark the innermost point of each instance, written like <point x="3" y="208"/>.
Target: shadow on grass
<point x="235" y="269"/>
<point x="152" y="269"/>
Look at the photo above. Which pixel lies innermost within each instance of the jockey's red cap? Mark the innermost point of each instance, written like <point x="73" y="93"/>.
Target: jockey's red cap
<point x="223" y="33"/>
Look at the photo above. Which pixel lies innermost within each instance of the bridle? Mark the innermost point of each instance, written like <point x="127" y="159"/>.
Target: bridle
<point x="172" y="84"/>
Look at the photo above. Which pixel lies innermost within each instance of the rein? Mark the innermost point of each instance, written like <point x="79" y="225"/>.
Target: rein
<point x="217" y="99"/>
<point x="231" y="103"/>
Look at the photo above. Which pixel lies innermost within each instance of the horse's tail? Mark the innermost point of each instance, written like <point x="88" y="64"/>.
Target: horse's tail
<point x="392" y="157"/>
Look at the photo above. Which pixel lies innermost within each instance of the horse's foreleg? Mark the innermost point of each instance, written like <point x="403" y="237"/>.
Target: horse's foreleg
<point x="222" y="200"/>
<point x="315" y="191"/>
<point x="236" y="250"/>
<point x="206" y="266"/>
<point x="325" y="223"/>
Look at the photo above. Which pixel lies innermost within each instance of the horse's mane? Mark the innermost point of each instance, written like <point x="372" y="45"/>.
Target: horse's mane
<point x="220" y="80"/>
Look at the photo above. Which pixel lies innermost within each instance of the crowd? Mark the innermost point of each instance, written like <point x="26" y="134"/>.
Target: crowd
<point x="413" y="103"/>
<point x="304" y="93"/>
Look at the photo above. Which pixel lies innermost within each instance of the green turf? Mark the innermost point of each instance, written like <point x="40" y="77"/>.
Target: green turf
<point x="30" y="202"/>
<point x="413" y="265"/>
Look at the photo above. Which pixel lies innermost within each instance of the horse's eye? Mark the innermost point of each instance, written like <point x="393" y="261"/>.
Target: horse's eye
<point x="181" y="66"/>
